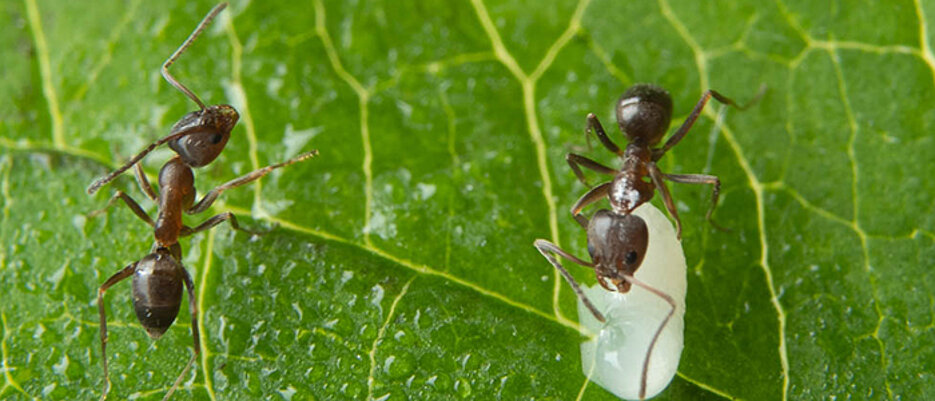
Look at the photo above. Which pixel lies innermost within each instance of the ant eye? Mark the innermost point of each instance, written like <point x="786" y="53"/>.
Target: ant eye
<point x="631" y="257"/>
<point x="216" y="139"/>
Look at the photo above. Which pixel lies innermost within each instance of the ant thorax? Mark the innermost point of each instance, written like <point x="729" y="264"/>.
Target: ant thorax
<point x="629" y="189"/>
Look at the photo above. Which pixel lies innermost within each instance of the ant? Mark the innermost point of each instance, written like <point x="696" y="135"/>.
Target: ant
<point x="617" y="239"/>
<point x="197" y="139"/>
<point x="643" y="114"/>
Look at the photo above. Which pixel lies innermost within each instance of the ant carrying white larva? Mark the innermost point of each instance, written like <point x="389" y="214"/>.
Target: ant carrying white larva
<point x="618" y="239"/>
<point x="197" y="139"/>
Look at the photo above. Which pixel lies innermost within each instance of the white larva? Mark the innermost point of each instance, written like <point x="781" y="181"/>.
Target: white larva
<point x="614" y="357"/>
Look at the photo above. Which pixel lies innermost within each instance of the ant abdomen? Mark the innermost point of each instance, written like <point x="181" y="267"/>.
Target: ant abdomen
<point x="617" y="244"/>
<point x="644" y="112"/>
<point x="157" y="292"/>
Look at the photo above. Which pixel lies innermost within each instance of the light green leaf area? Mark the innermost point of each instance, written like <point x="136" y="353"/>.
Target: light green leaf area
<point x="400" y="263"/>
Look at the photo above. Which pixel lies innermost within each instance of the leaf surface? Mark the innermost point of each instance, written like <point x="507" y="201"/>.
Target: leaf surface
<point x="400" y="262"/>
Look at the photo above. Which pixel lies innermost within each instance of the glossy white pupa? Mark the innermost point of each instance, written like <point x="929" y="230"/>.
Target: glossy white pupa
<point x="614" y="357"/>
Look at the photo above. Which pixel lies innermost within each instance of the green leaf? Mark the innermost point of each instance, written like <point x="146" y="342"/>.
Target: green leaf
<point x="400" y="262"/>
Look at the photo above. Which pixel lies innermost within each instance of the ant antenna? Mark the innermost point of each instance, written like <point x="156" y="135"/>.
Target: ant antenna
<point x="100" y="182"/>
<point x="188" y="42"/>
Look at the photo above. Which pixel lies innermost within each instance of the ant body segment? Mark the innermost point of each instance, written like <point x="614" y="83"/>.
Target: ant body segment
<point x="197" y="139"/>
<point x="618" y="239"/>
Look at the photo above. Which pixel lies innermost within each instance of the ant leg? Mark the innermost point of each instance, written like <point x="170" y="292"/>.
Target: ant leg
<point x="193" y="307"/>
<point x="657" y="176"/>
<point x="575" y="161"/>
<point x="687" y="125"/>
<point x="594" y="124"/>
<point x="215" y="220"/>
<point x="652" y="344"/>
<point x="213" y="194"/>
<point x="145" y="186"/>
<point x="702" y="179"/>
<point x="135" y="207"/>
<point x="599" y="192"/>
<point x="547" y="249"/>
<point x="116" y="278"/>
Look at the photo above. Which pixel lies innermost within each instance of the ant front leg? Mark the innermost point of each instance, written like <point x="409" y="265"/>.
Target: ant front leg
<point x="116" y="278"/>
<point x="193" y="308"/>
<point x="599" y="192"/>
<point x="145" y="186"/>
<point x="702" y="179"/>
<point x="594" y="124"/>
<point x="652" y="344"/>
<point x="576" y="161"/>
<point x="135" y="207"/>
<point x="215" y="220"/>
<point x="549" y="250"/>
<point x="213" y="194"/>
<point x="656" y="175"/>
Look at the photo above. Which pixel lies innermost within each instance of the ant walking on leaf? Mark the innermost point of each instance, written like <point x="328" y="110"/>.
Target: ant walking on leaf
<point x="197" y="139"/>
<point x="618" y="239"/>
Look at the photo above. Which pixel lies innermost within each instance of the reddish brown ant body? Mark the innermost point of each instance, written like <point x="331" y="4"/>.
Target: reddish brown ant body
<point x="197" y="139"/>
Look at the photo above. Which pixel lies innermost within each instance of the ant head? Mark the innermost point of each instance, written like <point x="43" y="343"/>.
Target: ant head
<point x="203" y="134"/>
<point x="644" y="112"/>
<point x="157" y="290"/>
<point x="617" y="244"/>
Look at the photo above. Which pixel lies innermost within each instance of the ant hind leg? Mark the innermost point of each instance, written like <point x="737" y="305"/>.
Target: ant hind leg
<point x="593" y="124"/>
<point x="116" y="278"/>
<point x="218" y="219"/>
<point x="193" y="307"/>
<point x="690" y="121"/>
<point x="577" y="161"/>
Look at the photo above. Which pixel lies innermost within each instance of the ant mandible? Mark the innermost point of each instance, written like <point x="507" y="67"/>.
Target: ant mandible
<point x="197" y="139"/>
<point x="617" y="239"/>
<point x="643" y="114"/>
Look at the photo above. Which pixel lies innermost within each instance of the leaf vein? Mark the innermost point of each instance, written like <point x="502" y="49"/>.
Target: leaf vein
<point x="108" y="56"/>
<point x="416" y="267"/>
<point x="202" y="290"/>
<point x="380" y="334"/>
<point x="10" y="381"/>
<point x="241" y="95"/>
<point x="754" y="182"/>
<point x="363" y="96"/>
<point x="45" y="72"/>
<point x="926" y="47"/>
<point x="875" y="292"/>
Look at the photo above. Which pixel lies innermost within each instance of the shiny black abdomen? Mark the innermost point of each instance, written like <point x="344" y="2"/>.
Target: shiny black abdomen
<point x="157" y="292"/>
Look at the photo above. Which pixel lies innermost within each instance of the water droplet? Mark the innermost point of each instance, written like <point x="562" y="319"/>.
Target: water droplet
<point x="463" y="387"/>
<point x="399" y="366"/>
<point x="425" y="190"/>
<point x="287" y="392"/>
